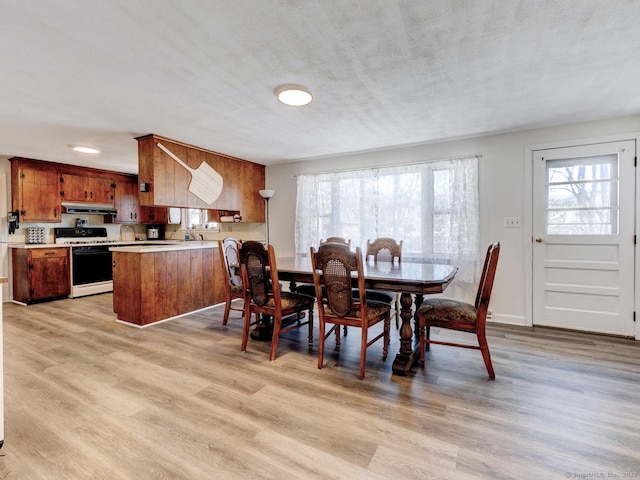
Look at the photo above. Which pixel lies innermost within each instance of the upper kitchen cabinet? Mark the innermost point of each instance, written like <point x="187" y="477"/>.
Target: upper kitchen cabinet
<point x="125" y="194"/>
<point x="86" y="188"/>
<point x="35" y="190"/>
<point x="165" y="182"/>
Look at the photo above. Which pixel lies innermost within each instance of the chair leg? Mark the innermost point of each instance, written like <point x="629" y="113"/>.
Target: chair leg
<point x="338" y="335"/>
<point x="227" y="309"/>
<point x="397" y="308"/>
<point x="277" y="325"/>
<point x="311" y="326"/>
<point x="427" y="336"/>
<point x="486" y="355"/>
<point x="363" y="350"/>
<point x="245" y="330"/>
<point x="422" y="341"/>
<point x="321" y="344"/>
<point x="385" y="339"/>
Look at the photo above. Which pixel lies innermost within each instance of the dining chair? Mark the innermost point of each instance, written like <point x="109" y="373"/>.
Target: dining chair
<point x="230" y="259"/>
<point x="264" y="297"/>
<point x="385" y="249"/>
<point x="333" y="266"/>
<point x="309" y="288"/>
<point x="461" y="316"/>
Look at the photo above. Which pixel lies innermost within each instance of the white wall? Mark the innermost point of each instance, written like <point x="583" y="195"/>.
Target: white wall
<point x="502" y="192"/>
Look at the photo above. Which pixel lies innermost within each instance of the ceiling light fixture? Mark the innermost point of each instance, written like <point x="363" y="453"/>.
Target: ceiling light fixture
<point x="293" y="95"/>
<point x="84" y="149"/>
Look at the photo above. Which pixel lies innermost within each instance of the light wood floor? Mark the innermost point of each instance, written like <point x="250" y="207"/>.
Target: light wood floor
<point x="88" y="398"/>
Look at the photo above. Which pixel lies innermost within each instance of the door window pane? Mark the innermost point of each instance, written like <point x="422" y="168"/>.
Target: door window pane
<point x="582" y="196"/>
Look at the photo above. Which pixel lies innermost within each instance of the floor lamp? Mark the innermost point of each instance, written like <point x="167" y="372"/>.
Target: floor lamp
<point x="267" y="194"/>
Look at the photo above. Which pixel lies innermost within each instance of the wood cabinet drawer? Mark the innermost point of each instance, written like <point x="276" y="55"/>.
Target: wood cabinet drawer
<point x="49" y="252"/>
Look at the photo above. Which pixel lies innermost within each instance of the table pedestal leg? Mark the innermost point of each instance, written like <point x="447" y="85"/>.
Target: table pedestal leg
<point x="406" y="357"/>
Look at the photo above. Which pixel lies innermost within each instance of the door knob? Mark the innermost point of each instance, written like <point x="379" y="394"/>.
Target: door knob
<point x="539" y="239"/>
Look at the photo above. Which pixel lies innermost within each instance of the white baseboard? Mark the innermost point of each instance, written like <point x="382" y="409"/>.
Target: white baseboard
<point x="507" y="319"/>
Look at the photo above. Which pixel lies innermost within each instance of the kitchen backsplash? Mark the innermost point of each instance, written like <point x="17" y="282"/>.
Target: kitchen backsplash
<point x="244" y="231"/>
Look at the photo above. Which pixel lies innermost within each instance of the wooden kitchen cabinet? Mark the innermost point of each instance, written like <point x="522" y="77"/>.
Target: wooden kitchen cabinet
<point x="151" y="285"/>
<point x="35" y="191"/>
<point x="40" y="273"/>
<point x="86" y="188"/>
<point x="126" y="200"/>
<point x="168" y="182"/>
<point x="159" y="215"/>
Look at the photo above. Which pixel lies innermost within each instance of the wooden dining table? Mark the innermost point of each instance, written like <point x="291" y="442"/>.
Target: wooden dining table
<point x="407" y="278"/>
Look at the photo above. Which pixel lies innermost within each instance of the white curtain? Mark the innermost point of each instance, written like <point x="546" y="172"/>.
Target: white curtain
<point x="432" y="207"/>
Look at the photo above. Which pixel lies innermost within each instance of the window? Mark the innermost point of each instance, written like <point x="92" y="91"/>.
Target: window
<point x="582" y="196"/>
<point x="194" y="218"/>
<point x="432" y="207"/>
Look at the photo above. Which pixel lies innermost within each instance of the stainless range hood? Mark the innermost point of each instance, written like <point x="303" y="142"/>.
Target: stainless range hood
<point x="89" y="208"/>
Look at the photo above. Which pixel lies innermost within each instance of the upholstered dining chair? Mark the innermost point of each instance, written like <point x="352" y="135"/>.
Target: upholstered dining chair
<point x="259" y="274"/>
<point x="456" y="315"/>
<point x="385" y="249"/>
<point x="333" y="267"/>
<point x="230" y="259"/>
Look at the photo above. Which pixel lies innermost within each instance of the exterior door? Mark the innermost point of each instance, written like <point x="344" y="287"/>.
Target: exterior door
<point x="583" y="237"/>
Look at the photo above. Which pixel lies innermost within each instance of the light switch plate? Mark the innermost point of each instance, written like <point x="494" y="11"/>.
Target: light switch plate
<point x="511" y="222"/>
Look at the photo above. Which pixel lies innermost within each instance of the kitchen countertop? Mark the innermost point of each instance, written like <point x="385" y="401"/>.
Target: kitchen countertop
<point x="165" y="246"/>
<point x="136" y="244"/>
<point x="37" y="245"/>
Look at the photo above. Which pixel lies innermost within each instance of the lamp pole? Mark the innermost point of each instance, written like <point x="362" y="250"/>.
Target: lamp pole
<point x="267" y="194"/>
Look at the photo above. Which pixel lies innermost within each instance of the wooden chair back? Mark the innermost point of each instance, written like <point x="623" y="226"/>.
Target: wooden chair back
<point x="486" y="284"/>
<point x="228" y="249"/>
<point x="231" y="259"/>
<point x="384" y="249"/>
<point x="344" y="241"/>
<point x="333" y="265"/>
<point x="254" y="260"/>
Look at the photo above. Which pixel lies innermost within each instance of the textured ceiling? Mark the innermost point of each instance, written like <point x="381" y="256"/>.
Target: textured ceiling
<point x="384" y="73"/>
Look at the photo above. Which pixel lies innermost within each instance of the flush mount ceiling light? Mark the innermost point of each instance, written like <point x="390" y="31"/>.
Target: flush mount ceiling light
<point x="84" y="149"/>
<point x="294" y="95"/>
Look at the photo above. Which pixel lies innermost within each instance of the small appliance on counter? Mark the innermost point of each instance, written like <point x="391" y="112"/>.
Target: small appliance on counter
<point x="36" y="235"/>
<point x="127" y="234"/>
<point x="155" y="232"/>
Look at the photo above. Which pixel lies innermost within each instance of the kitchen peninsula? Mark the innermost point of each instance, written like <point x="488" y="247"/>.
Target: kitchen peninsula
<point x="152" y="283"/>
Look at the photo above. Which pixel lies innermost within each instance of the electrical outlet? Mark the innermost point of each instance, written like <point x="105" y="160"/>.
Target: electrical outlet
<point x="511" y="222"/>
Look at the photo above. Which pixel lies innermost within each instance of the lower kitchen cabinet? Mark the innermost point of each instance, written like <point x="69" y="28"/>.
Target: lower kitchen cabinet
<point x="152" y="284"/>
<point x="40" y="273"/>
